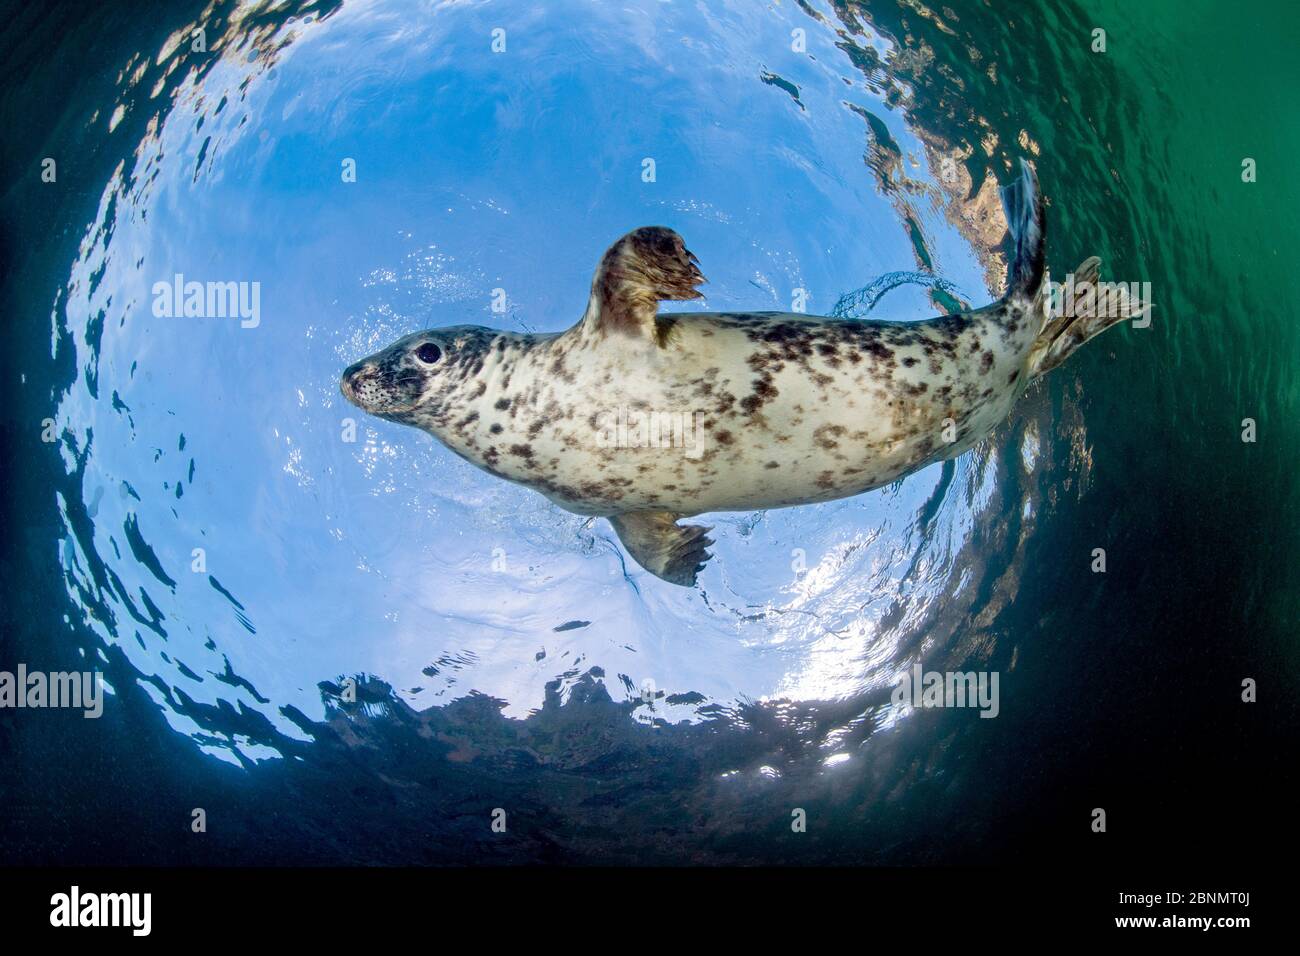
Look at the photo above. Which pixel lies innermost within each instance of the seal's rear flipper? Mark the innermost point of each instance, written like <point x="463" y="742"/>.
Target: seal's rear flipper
<point x="645" y="266"/>
<point x="664" y="548"/>
<point x="1090" y="308"/>
<point x="1023" y="204"/>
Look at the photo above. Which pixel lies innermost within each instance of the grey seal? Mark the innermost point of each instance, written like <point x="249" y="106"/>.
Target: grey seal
<point x="647" y="418"/>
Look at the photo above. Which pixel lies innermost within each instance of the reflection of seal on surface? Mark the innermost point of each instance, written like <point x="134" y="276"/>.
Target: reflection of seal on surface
<point x="723" y="411"/>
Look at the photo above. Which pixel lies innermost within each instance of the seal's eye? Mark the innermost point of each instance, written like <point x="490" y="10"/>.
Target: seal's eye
<point x="428" y="353"/>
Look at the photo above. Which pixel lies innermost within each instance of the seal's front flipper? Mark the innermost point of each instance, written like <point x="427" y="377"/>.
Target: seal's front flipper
<point x="641" y="269"/>
<point x="1086" y="307"/>
<point x="663" y="547"/>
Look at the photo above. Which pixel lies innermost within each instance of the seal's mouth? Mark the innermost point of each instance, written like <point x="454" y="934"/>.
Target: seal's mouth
<point x="378" y="392"/>
<point x="350" y="384"/>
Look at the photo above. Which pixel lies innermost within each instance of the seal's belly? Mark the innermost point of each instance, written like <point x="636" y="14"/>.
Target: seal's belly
<point x="746" y="412"/>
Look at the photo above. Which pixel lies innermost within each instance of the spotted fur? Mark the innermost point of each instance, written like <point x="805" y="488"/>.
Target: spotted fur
<point x="791" y="408"/>
<point x="842" y="407"/>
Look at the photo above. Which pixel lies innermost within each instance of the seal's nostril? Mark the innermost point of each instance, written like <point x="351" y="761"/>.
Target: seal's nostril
<point x="352" y="380"/>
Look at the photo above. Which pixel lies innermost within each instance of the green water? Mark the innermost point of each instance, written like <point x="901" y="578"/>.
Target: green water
<point x="1138" y="671"/>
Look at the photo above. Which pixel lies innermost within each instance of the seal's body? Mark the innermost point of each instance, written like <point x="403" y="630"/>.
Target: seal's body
<point x="646" y="418"/>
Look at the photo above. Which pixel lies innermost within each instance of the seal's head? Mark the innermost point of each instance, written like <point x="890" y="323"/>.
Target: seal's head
<point x="411" y="379"/>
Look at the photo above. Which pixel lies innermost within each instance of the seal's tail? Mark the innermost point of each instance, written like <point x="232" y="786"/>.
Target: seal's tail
<point x="1078" y="310"/>
<point x="1023" y="204"/>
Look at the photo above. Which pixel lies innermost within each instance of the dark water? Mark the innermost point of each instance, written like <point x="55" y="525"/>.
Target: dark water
<point x="523" y="689"/>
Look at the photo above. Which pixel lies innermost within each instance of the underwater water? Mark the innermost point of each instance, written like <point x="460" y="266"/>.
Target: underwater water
<point x="233" y="545"/>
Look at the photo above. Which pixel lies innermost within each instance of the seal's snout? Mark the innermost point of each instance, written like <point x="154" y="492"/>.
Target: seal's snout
<point x="352" y="384"/>
<point x="374" y="385"/>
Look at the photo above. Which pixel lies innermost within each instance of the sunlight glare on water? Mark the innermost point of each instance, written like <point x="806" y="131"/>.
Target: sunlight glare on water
<point x="243" y="550"/>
